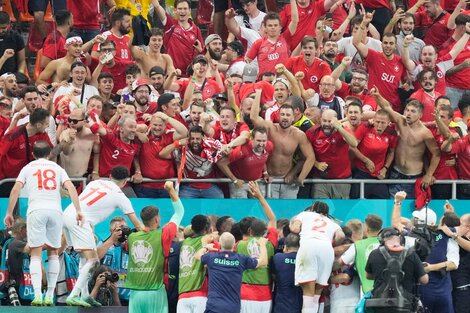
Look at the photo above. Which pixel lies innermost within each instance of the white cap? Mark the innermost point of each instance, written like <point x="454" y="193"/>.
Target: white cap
<point x="421" y="215"/>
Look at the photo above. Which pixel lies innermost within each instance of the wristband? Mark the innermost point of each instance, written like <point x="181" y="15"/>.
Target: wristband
<point x="339" y="127"/>
<point x="397" y="203"/>
<point x="405" y="46"/>
<point x="344" y="65"/>
<point x="95" y="172"/>
<point x="176" y="143"/>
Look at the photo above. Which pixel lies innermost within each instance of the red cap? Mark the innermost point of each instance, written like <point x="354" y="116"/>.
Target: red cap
<point x="422" y="196"/>
<point x="140" y="82"/>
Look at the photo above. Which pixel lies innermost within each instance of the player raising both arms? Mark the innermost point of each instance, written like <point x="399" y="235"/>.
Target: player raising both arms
<point x="43" y="179"/>
<point x="99" y="200"/>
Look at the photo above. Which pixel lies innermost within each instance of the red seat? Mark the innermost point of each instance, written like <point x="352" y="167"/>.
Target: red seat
<point x="6" y="7"/>
<point x="37" y="64"/>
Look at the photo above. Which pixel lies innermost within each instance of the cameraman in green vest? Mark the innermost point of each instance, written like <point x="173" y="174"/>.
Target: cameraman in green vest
<point x="358" y="253"/>
<point x="148" y="257"/>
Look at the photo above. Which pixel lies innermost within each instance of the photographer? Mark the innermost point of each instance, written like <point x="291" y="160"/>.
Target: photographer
<point x="411" y="268"/>
<point x="111" y="254"/>
<point x="103" y="285"/>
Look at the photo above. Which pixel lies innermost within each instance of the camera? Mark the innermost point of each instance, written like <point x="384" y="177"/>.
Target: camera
<point x="126" y="231"/>
<point x="111" y="277"/>
<point x="10" y="288"/>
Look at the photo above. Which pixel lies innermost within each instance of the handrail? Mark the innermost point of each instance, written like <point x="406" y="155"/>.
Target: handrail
<point x="361" y="182"/>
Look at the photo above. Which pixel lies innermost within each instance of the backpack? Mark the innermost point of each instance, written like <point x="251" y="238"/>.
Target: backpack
<point x="389" y="295"/>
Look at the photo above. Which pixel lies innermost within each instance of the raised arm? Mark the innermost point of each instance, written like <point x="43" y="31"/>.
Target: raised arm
<point x="396" y="212"/>
<point x="231" y="23"/>
<point x="268" y="212"/>
<point x="160" y="11"/>
<point x="339" y="32"/>
<point x="231" y="95"/>
<point x="451" y="21"/>
<point x="357" y="37"/>
<point x="399" y="14"/>
<point x="384" y="104"/>
<point x="347" y="136"/>
<point x="461" y="43"/>
<point x="405" y="54"/>
<point x="175" y="202"/>
<point x="295" y="16"/>
<point x="294" y="87"/>
<point x="254" y="113"/>
<point x="336" y="74"/>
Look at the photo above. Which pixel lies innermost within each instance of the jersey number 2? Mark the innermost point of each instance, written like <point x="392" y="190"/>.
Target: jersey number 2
<point x="46" y="179"/>
<point x="318" y="225"/>
<point x="99" y="195"/>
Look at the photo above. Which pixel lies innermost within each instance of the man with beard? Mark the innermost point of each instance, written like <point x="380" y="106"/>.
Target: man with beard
<point x="207" y="84"/>
<point x="11" y="45"/>
<point x="314" y="69"/>
<point x="374" y="154"/>
<point x="120" y="148"/>
<point x="152" y="165"/>
<point x="429" y="58"/>
<point x="32" y="102"/>
<point x="76" y="144"/>
<point x="152" y="57"/>
<point x="326" y="98"/>
<point x="108" y="62"/>
<point x="214" y="50"/>
<point x="328" y="54"/>
<point x="183" y="39"/>
<point x="197" y="163"/>
<point x="331" y="143"/>
<point x="10" y="88"/>
<point x="385" y="69"/>
<point x="415" y="138"/>
<point x="427" y="95"/>
<point x="406" y="25"/>
<point x="120" y="26"/>
<point x="286" y="139"/>
<point x="196" y="109"/>
<point x="141" y="92"/>
<point x="274" y="48"/>
<point x="54" y="44"/>
<point x="247" y="163"/>
<point x="228" y="132"/>
<point x="157" y="78"/>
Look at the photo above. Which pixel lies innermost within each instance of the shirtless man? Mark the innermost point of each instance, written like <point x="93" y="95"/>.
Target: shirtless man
<point x="415" y="138"/>
<point x="76" y="144"/>
<point x="153" y="57"/>
<point x="286" y="139"/>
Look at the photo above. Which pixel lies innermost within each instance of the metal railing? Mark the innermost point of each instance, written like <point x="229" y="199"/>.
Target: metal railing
<point x="361" y="182"/>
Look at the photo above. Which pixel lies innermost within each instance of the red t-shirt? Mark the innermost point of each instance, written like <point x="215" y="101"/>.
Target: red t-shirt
<point x="151" y="165"/>
<point x="54" y="46"/>
<point x="226" y="138"/>
<point x="13" y="152"/>
<point x="386" y="75"/>
<point x="438" y="33"/>
<point x="374" y="4"/>
<point x="460" y="79"/>
<point x="461" y="147"/>
<point x="86" y="14"/>
<point x="270" y="53"/>
<point x="441" y="74"/>
<point x="443" y="171"/>
<point x="247" y="165"/>
<point x="374" y="146"/>
<point x="308" y="18"/>
<point x="4" y="124"/>
<point x="210" y="88"/>
<point x="428" y="103"/>
<point x="330" y="149"/>
<point x="115" y="152"/>
<point x="122" y="48"/>
<point x="151" y="109"/>
<point x="179" y="43"/>
<point x="197" y="166"/>
<point x="313" y="73"/>
<point x="242" y="91"/>
<point x="368" y="102"/>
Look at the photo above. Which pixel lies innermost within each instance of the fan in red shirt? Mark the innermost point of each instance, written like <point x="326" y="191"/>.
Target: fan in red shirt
<point x="433" y="22"/>
<point x="375" y="153"/>
<point x="461" y="148"/>
<point x="247" y="163"/>
<point x="427" y="95"/>
<point x="331" y="143"/>
<point x="312" y="67"/>
<point x="385" y="68"/>
<point x="16" y="147"/>
<point x="54" y="45"/>
<point x="183" y="39"/>
<point x="151" y="164"/>
<point x="86" y="18"/>
<point x="141" y="93"/>
<point x="119" y="148"/>
<point x="309" y="11"/>
<point x="274" y="48"/>
<point x="120" y="27"/>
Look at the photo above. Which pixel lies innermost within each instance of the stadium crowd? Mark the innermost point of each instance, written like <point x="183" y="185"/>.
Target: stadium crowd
<point x="323" y="89"/>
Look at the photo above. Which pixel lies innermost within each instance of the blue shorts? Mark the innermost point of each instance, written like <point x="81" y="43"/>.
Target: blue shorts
<point x="41" y="5"/>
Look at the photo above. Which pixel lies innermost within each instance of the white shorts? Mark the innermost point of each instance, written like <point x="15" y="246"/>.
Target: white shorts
<point x="249" y="306"/>
<point x="314" y="262"/>
<point x="44" y="227"/>
<point x="80" y="237"/>
<point x="191" y="305"/>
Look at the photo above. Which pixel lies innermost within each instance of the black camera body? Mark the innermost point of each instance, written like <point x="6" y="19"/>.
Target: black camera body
<point x="125" y="232"/>
<point x="10" y="289"/>
<point x="111" y="277"/>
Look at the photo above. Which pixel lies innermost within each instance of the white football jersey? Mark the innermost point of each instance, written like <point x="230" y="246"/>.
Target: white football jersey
<point x="99" y="200"/>
<point x="317" y="226"/>
<point x="43" y="179"/>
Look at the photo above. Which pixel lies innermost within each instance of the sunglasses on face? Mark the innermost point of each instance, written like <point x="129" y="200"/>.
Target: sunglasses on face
<point x="74" y="121"/>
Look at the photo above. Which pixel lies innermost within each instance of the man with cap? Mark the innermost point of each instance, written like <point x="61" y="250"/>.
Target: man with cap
<point x="183" y="39"/>
<point x="141" y="91"/>
<point x="157" y="78"/>
<point x="214" y="50"/>
<point x="249" y="84"/>
<point x="201" y="80"/>
<point x="234" y="55"/>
